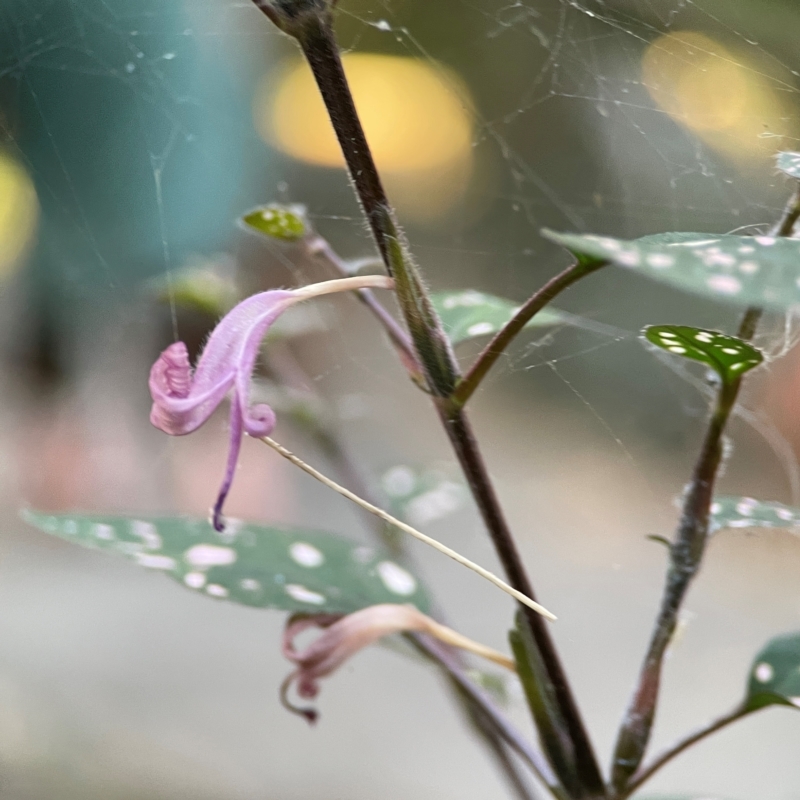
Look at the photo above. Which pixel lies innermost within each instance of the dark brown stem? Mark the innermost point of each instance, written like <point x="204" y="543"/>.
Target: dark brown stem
<point x="686" y="554"/>
<point x="493" y="350"/>
<point x="461" y="437"/>
<point x="659" y="761"/>
<point x="309" y="21"/>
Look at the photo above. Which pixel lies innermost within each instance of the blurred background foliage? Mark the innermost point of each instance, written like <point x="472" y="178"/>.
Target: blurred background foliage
<point x="135" y="133"/>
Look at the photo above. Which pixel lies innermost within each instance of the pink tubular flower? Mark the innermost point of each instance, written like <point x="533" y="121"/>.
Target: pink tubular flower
<point x="344" y="636"/>
<point x="183" y="401"/>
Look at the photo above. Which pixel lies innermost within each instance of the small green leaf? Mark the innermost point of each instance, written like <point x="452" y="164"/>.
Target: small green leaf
<point x="470" y="314"/>
<point x="746" y="270"/>
<point x="278" y="222"/>
<point x="790" y="164"/>
<point x="266" y="567"/>
<point x="422" y="496"/>
<point x="745" y="512"/>
<point x="775" y="675"/>
<point x="728" y="356"/>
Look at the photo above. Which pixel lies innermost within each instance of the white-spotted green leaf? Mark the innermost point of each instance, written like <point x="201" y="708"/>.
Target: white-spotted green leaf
<point x="728" y="356"/>
<point x="745" y="512"/>
<point x="285" y="223"/>
<point x="746" y="270"/>
<point x="469" y="314"/>
<point x="422" y="496"/>
<point x="775" y="674"/>
<point x="789" y="163"/>
<point x="255" y="565"/>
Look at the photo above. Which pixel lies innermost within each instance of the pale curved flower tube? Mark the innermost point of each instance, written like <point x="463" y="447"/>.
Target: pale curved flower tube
<point x="183" y="401"/>
<point x="344" y="636"/>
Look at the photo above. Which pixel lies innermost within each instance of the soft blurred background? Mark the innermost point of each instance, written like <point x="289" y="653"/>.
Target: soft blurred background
<point x="135" y="133"/>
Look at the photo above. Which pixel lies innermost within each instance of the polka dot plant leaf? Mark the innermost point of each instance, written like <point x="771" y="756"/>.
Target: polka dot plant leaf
<point x="728" y="356"/>
<point x="746" y="270"/>
<point x="745" y="512"/>
<point x="775" y="675"/>
<point x="278" y="222"/>
<point x="422" y="496"/>
<point x="469" y="314"/>
<point x="265" y="567"/>
<point x="790" y="164"/>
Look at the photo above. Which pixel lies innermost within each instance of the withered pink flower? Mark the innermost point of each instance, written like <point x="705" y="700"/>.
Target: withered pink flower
<point x="344" y="636"/>
<point x="183" y="400"/>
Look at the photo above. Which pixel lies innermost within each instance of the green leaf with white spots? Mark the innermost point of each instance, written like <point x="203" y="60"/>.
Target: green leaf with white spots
<point x="745" y="512"/>
<point x="728" y="356"/>
<point x="790" y="164"/>
<point x="470" y="314"/>
<point x="422" y="496"/>
<point x="775" y="674"/>
<point x="746" y="270"/>
<point x="255" y="565"/>
<point x="285" y="223"/>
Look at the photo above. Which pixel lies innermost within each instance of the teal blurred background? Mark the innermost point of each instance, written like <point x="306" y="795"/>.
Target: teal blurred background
<point x="133" y="135"/>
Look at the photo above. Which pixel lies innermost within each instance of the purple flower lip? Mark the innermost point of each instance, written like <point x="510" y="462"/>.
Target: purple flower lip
<point x="183" y="400"/>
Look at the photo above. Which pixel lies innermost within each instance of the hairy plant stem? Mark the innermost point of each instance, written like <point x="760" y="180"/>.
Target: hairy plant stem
<point x="310" y="22"/>
<point x="686" y="555"/>
<point x="646" y="772"/>
<point x="494" y="349"/>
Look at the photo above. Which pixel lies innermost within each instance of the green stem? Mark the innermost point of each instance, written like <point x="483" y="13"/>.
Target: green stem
<point x="664" y="758"/>
<point x="494" y="349"/>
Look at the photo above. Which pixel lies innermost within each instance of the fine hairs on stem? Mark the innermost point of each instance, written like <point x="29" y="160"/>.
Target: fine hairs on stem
<point x="386" y="517"/>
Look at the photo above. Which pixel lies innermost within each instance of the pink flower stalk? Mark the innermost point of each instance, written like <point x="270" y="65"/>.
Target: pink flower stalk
<point x="344" y="636"/>
<point x="183" y="401"/>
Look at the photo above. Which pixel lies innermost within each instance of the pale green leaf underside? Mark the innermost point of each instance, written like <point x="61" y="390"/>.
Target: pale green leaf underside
<point x="775" y="675"/>
<point x="745" y="512"/>
<point x="266" y="567"/>
<point x="728" y="356"/>
<point x="422" y="496"/>
<point x="746" y="270"/>
<point x="789" y="163"/>
<point x="469" y="314"/>
<point x="278" y="222"/>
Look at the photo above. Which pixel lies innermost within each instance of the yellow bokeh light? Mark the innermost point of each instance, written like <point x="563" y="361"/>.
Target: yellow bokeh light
<point x="730" y="103"/>
<point x="417" y="118"/>
<point x="19" y="212"/>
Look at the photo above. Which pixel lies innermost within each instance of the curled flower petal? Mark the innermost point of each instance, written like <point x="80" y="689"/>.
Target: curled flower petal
<point x="183" y="401"/>
<point x="344" y="636"/>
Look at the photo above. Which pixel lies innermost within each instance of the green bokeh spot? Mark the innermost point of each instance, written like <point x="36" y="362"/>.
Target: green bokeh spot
<point x="728" y="356"/>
